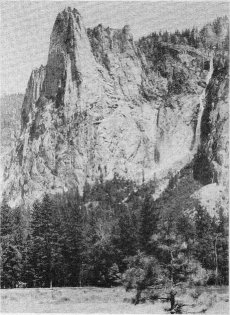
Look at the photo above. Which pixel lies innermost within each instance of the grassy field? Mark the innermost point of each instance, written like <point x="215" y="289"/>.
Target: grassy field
<point x="103" y="300"/>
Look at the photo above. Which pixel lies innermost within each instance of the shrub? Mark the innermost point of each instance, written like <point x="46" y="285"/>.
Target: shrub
<point x="198" y="275"/>
<point x="143" y="271"/>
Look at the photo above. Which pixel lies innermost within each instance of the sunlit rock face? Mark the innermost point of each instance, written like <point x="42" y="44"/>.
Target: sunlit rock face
<point x="32" y="94"/>
<point x="10" y="109"/>
<point x="99" y="107"/>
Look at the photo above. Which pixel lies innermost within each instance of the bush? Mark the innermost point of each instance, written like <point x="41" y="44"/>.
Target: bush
<point x="198" y="275"/>
<point x="143" y="271"/>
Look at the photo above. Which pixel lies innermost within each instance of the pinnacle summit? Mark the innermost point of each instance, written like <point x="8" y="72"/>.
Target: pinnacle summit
<point x="105" y="104"/>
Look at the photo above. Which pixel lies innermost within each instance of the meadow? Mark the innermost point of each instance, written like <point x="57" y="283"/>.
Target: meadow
<point x="212" y="300"/>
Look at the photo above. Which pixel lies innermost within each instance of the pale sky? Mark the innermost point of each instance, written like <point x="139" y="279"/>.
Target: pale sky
<point x="26" y="27"/>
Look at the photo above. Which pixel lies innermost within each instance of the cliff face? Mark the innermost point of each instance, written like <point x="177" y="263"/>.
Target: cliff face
<point x="211" y="165"/>
<point x="10" y="111"/>
<point x="103" y="105"/>
<point x="32" y="94"/>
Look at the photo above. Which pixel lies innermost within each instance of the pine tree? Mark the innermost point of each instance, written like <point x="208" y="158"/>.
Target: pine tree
<point x="220" y="244"/>
<point x="45" y="256"/>
<point x="148" y="224"/>
<point x="204" y="250"/>
<point x="69" y="210"/>
<point x="11" y="264"/>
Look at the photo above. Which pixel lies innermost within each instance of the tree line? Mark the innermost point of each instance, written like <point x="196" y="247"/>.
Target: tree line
<point x="115" y="233"/>
<point x="208" y="37"/>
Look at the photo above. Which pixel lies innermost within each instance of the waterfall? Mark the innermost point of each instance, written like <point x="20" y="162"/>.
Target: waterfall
<point x="202" y="101"/>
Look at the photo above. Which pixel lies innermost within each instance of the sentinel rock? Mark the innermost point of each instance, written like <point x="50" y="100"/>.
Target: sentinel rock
<point x="102" y="105"/>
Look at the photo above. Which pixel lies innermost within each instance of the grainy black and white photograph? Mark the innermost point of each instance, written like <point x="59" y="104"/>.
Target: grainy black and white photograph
<point x="114" y="157"/>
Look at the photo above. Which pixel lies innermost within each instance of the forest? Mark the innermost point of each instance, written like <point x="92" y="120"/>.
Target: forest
<point x="116" y="234"/>
<point x="206" y="38"/>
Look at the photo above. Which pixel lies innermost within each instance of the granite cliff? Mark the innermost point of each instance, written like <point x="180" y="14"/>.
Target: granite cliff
<point x="10" y="111"/>
<point x="103" y="104"/>
<point x="211" y="163"/>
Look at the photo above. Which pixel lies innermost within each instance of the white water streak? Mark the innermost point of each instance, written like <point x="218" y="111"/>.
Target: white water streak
<point x="202" y="101"/>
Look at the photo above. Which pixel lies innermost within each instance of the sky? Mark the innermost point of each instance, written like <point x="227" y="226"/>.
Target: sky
<point x="26" y="27"/>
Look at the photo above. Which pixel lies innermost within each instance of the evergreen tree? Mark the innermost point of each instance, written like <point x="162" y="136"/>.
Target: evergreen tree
<point x="204" y="250"/>
<point x="72" y="233"/>
<point x="220" y="243"/>
<point x="11" y="264"/>
<point x="148" y="224"/>
<point x="45" y="257"/>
